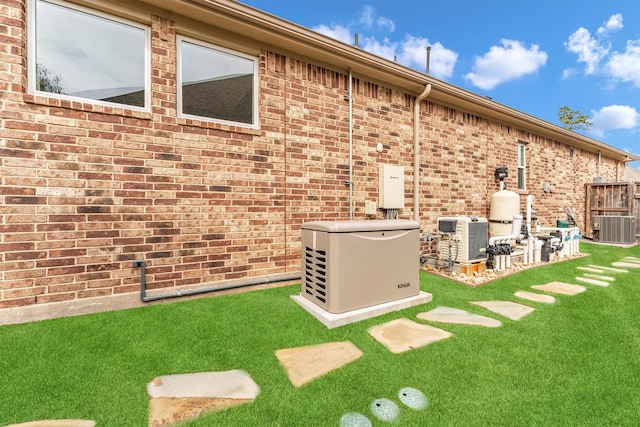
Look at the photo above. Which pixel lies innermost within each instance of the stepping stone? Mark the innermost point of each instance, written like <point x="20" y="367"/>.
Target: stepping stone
<point x="611" y="269"/>
<point x="600" y="277"/>
<point x="401" y="335"/>
<point x="560" y="288"/>
<point x="508" y="309"/>
<point x="632" y="259"/>
<point x="626" y="264"/>
<point x="532" y="296"/>
<point x="457" y="316"/>
<point x="592" y="281"/>
<point x="305" y="364"/>
<point x="591" y="269"/>
<point x="179" y="398"/>
<point x="56" y="423"/>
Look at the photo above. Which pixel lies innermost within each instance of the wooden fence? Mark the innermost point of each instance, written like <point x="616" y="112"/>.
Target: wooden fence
<point x="612" y="199"/>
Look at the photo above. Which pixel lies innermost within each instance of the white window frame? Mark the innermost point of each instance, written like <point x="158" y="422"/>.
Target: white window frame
<point x="32" y="60"/>
<point x="522" y="166"/>
<point x="255" y="97"/>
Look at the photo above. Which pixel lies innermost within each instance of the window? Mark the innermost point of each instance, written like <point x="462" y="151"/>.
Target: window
<point x="216" y="84"/>
<point x="75" y="52"/>
<point x="522" y="166"/>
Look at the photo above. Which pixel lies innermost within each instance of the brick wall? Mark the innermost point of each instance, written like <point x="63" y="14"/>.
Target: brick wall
<point x="86" y="189"/>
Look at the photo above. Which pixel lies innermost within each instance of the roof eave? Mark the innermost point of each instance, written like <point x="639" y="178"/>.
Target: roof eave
<point x="252" y="23"/>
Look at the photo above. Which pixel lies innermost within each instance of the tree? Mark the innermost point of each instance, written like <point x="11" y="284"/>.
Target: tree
<point x="573" y="119"/>
<point x="48" y="81"/>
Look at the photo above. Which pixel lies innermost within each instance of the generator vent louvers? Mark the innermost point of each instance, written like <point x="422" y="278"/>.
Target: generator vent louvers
<point x="315" y="271"/>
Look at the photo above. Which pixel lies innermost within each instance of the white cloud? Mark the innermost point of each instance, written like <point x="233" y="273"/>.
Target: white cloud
<point x="414" y="54"/>
<point x="385" y="49"/>
<point x="626" y="66"/>
<point x="614" y="117"/>
<point x="589" y="50"/>
<point x="568" y="73"/>
<point x="386" y="23"/>
<point x="410" y="52"/>
<point x="613" y="24"/>
<point x="509" y="61"/>
<point x="335" y="31"/>
<point x="366" y="16"/>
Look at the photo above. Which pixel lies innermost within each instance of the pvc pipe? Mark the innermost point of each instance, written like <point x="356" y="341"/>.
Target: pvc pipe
<point x="538" y="251"/>
<point x="350" y="145"/>
<point x="416" y="151"/>
<point x="529" y="209"/>
<point x="539" y="229"/>
<point x="503" y="239"/>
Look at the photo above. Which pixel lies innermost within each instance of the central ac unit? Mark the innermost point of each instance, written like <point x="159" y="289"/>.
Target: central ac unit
<point x="465" y="238"/>
<point x="615" y="229"/>
<point x="348" y="265"/>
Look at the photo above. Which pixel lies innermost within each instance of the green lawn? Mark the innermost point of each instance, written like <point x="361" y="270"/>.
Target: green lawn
<point x="572" y="363"/>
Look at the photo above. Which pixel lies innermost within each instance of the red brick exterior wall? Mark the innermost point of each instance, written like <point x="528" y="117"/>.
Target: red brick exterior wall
<point x="87" y="189"/>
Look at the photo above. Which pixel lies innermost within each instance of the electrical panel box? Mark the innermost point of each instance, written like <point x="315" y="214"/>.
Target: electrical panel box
<point x="391" y="187"/>
<point x="467" y="241"/>
<point x="348" y="265"/>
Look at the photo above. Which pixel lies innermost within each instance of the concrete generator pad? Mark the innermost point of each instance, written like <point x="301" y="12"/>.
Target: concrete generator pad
<point x="178" y="398"/>
<point x="457" y="316"/>
<point x="610" y="269"/>
<point x="401" y="335"/>
<point x="333" y="320"/>
<point x="305" y="364"/>
<point x="508" y="309"/>
<point x="560" y="288"/>
<point x="592" y="281"/>
<point x="532" y="296"/>
<point x="626" y="264"/>
<point x="56" y="423"/>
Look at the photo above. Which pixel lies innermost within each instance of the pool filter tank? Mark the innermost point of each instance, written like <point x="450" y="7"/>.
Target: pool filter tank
<point x="505" y="205"/>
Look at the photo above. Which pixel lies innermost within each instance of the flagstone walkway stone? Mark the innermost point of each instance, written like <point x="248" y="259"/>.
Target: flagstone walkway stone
<point x="626" y="264"/>
<point x="402" y="335"/>
<point x="508" y="309"/>
<point x="56" y="423"/>
<point x="532" y="296"/>
<point x="304" y="364"/>
<point x="457" y="316"/>
<point x="178" y="398"/>
<point x="560" y="288"/>
<point x="591" y="269"/>
<point x="611" y="269"/>
<point x="600" y="277"/>
<point x="592" y="281"/>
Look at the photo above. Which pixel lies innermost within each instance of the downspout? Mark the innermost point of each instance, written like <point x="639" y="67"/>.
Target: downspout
<point x="142" y="264"/>
<point x="416" y="151"/>
<point x="350" y="183"/>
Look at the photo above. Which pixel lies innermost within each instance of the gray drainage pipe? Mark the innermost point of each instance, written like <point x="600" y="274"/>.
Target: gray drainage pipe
<point x="142" y="264"/>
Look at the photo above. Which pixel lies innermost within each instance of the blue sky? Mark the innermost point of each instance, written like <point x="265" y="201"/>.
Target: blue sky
<point x="532" y="55"/>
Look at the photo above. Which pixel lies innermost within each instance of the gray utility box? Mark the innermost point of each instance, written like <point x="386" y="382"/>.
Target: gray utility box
<point x="614" y="229"/>
<point x="347" y="265"/>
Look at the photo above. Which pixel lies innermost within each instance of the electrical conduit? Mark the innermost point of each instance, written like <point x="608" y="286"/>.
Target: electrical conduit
<point x="416" y="151"/>
<point x="142" y="264"/>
